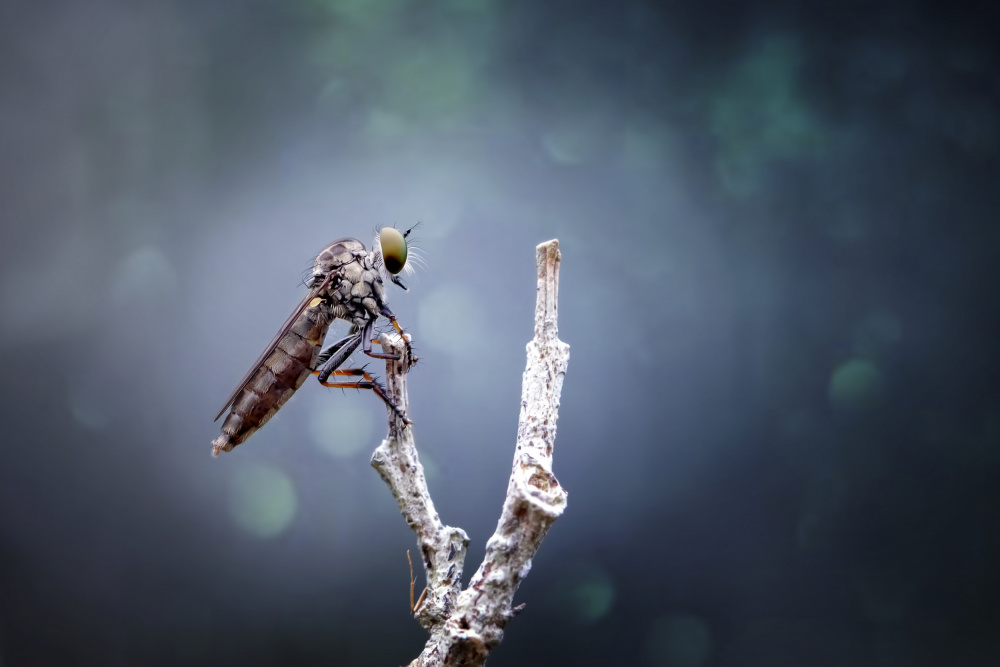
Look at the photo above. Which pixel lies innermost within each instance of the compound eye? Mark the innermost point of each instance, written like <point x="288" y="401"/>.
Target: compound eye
<point x="393" y="249"/>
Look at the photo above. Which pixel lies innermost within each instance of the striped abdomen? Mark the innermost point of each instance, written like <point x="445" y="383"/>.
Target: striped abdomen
<point x="277" y="377"/>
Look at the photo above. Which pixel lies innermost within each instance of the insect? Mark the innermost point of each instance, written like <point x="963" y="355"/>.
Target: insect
<point x="346" y="283"/>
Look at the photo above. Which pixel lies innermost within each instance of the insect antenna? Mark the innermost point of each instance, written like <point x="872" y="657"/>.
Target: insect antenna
<point x="415" y="253"/>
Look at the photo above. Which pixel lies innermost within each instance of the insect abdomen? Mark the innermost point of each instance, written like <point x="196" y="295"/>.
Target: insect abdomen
<point x="276" y="380"/>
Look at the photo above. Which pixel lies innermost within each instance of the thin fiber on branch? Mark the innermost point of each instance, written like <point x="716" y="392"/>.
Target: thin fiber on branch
<point x="466" y="624"/>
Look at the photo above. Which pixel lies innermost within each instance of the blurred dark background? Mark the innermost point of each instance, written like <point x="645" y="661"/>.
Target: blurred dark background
<point x="780" y="430"/>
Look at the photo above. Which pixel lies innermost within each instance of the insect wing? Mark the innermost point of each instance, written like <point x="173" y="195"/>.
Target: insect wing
<point x="313" y="293"/>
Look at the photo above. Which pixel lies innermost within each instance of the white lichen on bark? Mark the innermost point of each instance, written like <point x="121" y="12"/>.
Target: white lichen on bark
<point x="465" y="625"/>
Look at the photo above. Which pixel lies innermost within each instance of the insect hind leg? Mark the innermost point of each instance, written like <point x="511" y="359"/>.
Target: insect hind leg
<point x="368" y="382"/>
<point x="335" y="355"/>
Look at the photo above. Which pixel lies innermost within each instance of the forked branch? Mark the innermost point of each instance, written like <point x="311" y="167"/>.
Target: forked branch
<point x="465" y="625"/>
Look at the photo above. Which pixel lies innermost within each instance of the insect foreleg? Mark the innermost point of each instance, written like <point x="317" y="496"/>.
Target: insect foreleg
<point x="388" y="314"/>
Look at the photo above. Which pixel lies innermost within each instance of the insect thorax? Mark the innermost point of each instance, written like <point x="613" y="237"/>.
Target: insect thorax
<point x="337" y="254"/>
<point x="356" y="285"/>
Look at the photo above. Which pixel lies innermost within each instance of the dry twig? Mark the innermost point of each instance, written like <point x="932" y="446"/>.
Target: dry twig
<point x="465" y="625"/>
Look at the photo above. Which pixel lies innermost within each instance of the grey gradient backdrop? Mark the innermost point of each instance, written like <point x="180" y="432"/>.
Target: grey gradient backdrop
<point x="780" y="430"/>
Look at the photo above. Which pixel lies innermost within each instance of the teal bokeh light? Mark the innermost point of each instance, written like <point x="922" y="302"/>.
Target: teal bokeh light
<point x="262" y="500"/>
<point x="856" y="385"/>
<point x="678" y="640"/>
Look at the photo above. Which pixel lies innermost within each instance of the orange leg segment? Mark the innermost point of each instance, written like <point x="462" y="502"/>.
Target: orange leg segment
<point x="367" y="383"/>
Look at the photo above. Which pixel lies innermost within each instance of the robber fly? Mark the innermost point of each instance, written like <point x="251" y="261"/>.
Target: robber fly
<point x="346" y="284"/>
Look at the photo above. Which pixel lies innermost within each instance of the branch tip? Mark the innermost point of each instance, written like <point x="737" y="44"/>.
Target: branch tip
<point x="547" y="259"/>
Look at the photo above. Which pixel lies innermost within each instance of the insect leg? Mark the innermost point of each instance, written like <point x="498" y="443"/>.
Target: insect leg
<point x="366" y="344"/>
<point x="335" y="355"/>
<point x="388" y="314"/>
<point x="406" y="340"/>
<point x="330" y="349"/>
<point x="367" y="347"/>
<point x="367" y="383"/>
